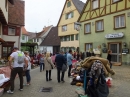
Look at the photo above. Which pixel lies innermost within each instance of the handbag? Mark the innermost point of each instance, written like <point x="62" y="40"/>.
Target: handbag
<point x="50" y="64"/>
<point x="64" y="67"/>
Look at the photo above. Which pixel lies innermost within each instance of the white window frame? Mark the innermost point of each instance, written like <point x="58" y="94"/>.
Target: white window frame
<point x="99" y="25"/>
<point x="11" y="31"/>
<point x="88" y="28"/>
<point x="23" y="37"/>
<point x="88" y="46"/>
<point x="120" y="21"/>
<point x="95" y="4"/>
<point x="64" y="28"/>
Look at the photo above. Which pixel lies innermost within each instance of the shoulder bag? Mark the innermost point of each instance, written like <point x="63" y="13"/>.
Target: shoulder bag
<point x="50" y="64"/>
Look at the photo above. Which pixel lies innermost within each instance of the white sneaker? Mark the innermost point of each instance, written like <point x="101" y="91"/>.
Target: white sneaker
<point x="20" y="89"/>
<point x="10" y="92"/>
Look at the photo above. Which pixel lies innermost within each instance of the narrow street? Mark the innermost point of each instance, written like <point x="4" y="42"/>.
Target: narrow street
<point x="119" y="88"/>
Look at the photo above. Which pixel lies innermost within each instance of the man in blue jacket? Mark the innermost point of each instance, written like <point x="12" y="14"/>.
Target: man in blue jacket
<point x="69" y="62"/>
<point x="60" y="60"/>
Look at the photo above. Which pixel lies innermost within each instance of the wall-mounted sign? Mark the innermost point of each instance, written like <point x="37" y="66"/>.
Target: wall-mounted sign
<point x="114" y="35"/>
<point x="104" y="50"/>
<point x="125" y="50"/>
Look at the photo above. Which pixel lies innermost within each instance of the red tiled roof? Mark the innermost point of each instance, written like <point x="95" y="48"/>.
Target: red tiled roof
<point x="45" y="29"/>
<point x="24" y="32"/>
<point x="31" y="35"/>
<point x="16" y="13"/>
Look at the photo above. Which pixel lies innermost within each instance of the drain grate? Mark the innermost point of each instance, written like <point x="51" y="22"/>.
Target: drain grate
<point x="46" y="89"/>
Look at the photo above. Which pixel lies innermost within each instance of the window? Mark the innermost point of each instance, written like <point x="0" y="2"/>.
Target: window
<point x="23" y="37"/>
<point x="34" y="40"/>
<point x="64" y="28"/>
<point x="88" y="28"/>
<point x="64" y="38"/>
<point x="88" y="46"/>
<point x="68" y="4"/>
<point x="11" y="31"/>
<point x="69" y="15"/>
<point x="37" y="40"/>
<point x="61" y="39"/>
<point x="72" y="37"/>
<point x="95" y="4"/>
<point x="76" y="36"/>
<point x="99" y="25"/>
<point x="116" y="1"/>
<point x="68" y="38"/>
<point x="120" y="21"/>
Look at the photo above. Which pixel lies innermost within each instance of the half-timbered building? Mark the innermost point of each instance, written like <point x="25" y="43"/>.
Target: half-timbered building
<point x="105" y="25"/>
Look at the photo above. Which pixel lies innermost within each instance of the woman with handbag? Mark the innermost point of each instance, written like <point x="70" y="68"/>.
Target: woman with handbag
<point x="48" y="66"/>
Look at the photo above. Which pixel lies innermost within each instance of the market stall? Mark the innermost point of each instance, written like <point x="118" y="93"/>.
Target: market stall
<point x="90" y="74"/>
<point x="4" y="76"/>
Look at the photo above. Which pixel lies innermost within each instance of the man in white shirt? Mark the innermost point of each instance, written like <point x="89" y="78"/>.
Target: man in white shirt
<point x="16" y="68"/>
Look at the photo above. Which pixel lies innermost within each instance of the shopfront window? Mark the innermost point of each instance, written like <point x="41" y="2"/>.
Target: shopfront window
<point x="6" y="51"/>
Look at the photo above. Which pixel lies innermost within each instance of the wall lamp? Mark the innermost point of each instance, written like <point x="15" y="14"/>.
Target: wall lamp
<point x="103" y="44"/>
<point x="124" y="44"/>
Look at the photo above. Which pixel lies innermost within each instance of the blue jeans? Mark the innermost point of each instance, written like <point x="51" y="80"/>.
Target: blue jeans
<point x="28" y="77"/>
<point x="41" y="66"/>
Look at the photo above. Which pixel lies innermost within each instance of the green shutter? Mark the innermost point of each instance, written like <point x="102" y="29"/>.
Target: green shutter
<point x="72" y="37"/>
<point x="66" y="16"/>
<point x="68" y="4"/>
<point x="72" y="14"/>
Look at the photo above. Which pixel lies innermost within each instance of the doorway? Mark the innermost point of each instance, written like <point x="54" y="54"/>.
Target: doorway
<point x="116" y="52"/>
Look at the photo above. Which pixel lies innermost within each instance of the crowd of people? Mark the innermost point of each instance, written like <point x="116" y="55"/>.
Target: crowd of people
<point x="21" y="62"/>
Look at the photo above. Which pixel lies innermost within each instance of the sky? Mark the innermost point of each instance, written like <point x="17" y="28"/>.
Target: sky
<point x="40" y="13"/>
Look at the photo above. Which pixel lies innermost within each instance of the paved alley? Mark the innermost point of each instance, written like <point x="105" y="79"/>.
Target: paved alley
<point x="120" y="87"/>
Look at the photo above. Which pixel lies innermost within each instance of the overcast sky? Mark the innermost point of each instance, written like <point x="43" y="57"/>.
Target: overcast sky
<point x="40" y="13"/>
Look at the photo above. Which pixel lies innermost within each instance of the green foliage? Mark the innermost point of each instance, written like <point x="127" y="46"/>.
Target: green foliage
<point x="25" y="48"/>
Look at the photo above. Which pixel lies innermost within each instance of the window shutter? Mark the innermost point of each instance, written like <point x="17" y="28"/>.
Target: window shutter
<point x="72" y="14"/>
<point x="17" y="31"/>
<point x="5" y="30"/>
<point x="66" y="16"/>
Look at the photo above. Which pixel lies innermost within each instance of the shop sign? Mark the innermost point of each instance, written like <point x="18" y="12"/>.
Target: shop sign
<point x="125" y="50"/>
<point x="114" y="35"/>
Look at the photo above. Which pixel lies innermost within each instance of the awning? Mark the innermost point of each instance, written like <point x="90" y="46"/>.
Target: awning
<point x="1" y="40"/>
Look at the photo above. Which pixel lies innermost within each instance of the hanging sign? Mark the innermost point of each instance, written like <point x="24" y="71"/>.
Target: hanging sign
<point x="114" y="35"/>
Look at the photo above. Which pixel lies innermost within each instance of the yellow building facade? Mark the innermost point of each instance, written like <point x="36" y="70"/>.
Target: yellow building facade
<point x="66" y="25"/>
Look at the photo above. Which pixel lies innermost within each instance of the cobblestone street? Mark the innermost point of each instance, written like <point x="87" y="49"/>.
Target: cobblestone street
<point x="119" y="88"/>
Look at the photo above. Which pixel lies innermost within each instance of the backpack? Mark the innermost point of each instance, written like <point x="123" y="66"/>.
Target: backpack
<point x="20" y="57"/>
